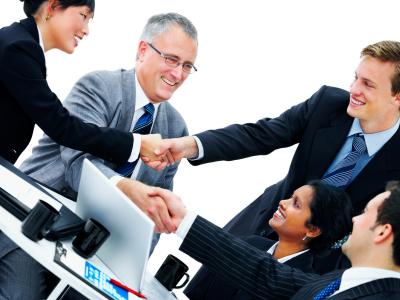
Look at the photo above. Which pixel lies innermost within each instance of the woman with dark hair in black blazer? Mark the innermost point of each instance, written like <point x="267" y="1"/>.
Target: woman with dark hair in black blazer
<point x="25" y="97"/>
<point x="323" y="211"/>
<point x="26" y="100"/>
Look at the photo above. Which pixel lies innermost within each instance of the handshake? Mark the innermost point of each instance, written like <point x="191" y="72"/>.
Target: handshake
<point x="158" y="153"/>
<point x="162" y="206"/>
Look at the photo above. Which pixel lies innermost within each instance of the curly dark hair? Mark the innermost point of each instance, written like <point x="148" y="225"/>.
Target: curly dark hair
<point x="331" y="211"/>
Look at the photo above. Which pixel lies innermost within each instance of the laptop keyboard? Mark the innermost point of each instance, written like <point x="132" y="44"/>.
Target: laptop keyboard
<point x="150" y="291"/>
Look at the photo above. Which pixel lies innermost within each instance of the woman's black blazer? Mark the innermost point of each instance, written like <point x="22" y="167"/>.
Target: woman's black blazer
<point x="26" y="100"/>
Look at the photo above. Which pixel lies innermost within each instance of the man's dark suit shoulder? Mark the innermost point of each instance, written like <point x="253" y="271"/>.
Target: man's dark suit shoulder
<point x="208" y="286"/>
<point x="269" y="134"/>
<point x="262" y="276"/>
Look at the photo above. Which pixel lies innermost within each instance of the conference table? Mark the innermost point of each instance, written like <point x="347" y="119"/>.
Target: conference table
<point x="43" y="252"/>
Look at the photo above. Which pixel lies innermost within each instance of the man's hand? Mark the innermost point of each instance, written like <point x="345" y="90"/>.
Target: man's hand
<point x="174" y="204"/>
<point x="154" y="207"/>
<point x="171" y="151"/>
<point x="149" y="143"/>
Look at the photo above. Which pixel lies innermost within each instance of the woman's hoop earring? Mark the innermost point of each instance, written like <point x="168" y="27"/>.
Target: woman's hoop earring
<point x="305" y="236"/>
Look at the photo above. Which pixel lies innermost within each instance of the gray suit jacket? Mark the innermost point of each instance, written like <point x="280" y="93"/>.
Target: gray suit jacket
<point x="106" y="99"/>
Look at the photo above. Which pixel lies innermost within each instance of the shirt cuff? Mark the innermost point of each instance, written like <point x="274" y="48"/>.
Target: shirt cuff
<point x="137" y="143"/>
<point x="200" y="148"/>
<point x="115" y="179"/>
<point x="186" y="224"/>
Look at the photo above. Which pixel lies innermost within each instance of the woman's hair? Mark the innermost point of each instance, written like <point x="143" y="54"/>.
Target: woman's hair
<point x="332" y="212"/>
<point x="31" y="7"/>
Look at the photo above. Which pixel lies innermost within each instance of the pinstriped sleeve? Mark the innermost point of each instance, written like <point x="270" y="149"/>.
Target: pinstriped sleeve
<point x="244" y="266"/>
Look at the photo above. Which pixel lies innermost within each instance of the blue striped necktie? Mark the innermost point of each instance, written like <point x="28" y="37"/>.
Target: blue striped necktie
<point x="329" y="290"/>
<point x="143" y="126"/>
<point x="340" y="175"/>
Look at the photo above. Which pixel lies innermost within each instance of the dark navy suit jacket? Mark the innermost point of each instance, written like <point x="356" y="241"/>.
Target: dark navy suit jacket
<point x="26" y="100"/>
<point x="212" y="287"/>
<point x="319" y="126"/>
<point x="260" y="275"/>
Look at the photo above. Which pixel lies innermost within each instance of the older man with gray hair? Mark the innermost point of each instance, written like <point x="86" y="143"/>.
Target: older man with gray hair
<point x="133" y="100"/>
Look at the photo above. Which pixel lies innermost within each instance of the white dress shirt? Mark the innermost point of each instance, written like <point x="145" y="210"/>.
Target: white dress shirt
<point x="357" y="276"/>
<point x="141" y="102"/>
<point x="40" y="39"/>
<point x="188" y="220"/>
<point x="136" y="143"/>
<point x="286" y="258"/>
<point x="200" y="149"/>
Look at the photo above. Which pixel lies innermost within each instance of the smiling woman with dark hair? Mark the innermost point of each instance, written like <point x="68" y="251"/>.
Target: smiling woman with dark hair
<point x="308" y="224"/>
<point x="25" y="97"/>
<point x="26" y="100"/>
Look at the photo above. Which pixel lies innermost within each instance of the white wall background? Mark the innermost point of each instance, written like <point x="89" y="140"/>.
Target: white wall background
<point x="256" y="59"/>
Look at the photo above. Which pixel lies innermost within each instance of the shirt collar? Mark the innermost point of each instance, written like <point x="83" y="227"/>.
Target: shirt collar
<point x="374" y="141"/>
<point x="40" y="39"/>
<point x="141" y="98"/>
<point x="357" y="276"/>
<point x="286" y="258"/>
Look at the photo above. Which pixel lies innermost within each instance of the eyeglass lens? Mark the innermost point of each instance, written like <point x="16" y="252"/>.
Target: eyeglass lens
<point x="173" y="62"/>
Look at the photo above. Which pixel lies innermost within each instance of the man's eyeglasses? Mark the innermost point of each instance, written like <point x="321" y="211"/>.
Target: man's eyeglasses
<point x="173" y="62"/>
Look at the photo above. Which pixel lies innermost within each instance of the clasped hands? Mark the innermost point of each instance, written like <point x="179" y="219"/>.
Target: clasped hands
<point x="162" y="206"/>
<point x="158" y="154"/>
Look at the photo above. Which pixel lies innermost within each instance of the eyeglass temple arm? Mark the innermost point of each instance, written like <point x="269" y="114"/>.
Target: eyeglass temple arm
<point x="156" y="50"/>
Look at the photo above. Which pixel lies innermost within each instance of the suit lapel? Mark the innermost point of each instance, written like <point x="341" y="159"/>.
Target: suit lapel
<point x="146" y="174"/>
<point x="391" y="285"/>
<point x="127" y="105"/>
<point x="376" y="173"/>
<point x="303" y="261"/>
<point x="128" y="100"/>
<point x="326" y="145"/>
<point x="30" y="25"/>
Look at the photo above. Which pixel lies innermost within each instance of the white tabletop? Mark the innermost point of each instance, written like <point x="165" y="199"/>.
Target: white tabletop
<point x="43" y="252"/>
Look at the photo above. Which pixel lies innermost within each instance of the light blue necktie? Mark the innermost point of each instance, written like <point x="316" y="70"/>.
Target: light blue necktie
<point x="340" y="175"/>
<point x="329" y="290"/>
<point x="142" y="126"/>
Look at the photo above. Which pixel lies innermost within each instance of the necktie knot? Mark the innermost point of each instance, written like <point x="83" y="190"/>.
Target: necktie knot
<point x="143" y="125"/>
<point x="149" y="108"/>
<point x="340" y="175"/>
<point x="359" y="144"/>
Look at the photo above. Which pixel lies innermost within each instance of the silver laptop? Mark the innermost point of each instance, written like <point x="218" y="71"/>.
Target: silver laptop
<point x="127" y="249"/>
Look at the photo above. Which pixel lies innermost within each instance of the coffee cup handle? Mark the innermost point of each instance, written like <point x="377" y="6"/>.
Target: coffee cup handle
<point x="186" y="281"/>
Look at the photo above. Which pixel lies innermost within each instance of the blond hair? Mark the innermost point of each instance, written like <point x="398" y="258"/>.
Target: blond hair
<point x="387" y="51"/>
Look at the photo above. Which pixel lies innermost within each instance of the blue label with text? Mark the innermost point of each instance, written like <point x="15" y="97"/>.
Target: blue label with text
<point x="102" y="282"/>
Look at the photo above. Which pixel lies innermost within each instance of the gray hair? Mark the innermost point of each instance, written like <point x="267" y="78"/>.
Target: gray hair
<point x="160" y="24"/>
